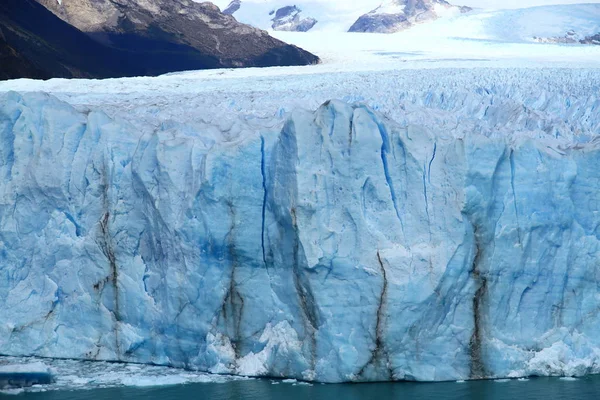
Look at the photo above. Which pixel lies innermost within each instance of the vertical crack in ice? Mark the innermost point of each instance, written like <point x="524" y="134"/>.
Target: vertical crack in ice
<point x="379" y="351"/>
<point x="350" y="133"/>
<point x="385" y="150"/>
<point x="431" y="162"/>
<point x="514" y="193"/>
<point x="265" y="195"/>
<point x="305" y="294"/>
<point x="7" y="151"/>
<point x="233" y="299"/>
<point x="478" y="370"/>
<point x="426" y="200"/>
<point x="107" y="248"/>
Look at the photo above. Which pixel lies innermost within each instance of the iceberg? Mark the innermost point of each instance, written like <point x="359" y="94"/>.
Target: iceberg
<point x="17" y="376"/>
<point x="345" y="246"/>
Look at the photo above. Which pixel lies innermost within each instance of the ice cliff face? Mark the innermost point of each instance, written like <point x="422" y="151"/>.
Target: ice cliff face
<point x="344" y="247"/>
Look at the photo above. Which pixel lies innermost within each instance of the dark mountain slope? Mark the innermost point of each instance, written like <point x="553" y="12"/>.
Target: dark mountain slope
<point x="14" y="65"/>
<point x="35" y="43"/>
<point x="172" y="25"/>
<point x="49" y="47"/>
<point x="46" y="46"/>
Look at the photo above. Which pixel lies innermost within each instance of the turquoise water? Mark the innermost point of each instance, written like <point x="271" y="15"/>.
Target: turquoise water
<point x="533" y="389"/>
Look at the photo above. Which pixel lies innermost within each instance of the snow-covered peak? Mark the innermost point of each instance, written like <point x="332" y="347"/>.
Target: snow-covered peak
<point x="391" y="7"/>
<point x="397" y="15"/>
<point x="290" y="18"/>
<point x="328" y="15"/>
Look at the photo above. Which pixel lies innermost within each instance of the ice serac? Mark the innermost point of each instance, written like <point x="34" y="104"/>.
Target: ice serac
<point x="343" y="247"/>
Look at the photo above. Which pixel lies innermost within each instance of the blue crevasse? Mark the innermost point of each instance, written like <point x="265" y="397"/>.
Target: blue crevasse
<point x="345" y="247"/>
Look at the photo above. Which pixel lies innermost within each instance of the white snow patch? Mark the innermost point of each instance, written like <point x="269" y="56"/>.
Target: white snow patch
<point x="390" y="7"/>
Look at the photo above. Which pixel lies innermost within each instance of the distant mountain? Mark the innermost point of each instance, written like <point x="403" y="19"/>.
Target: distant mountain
<point x="397" y="15"/>
<point x="280" y="17"/>
<point x="289" y="18"/>
<point x="197" y="34"/>
<point x="354" y="16"/>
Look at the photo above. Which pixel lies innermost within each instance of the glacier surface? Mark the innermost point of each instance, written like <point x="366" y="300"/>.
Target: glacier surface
<point x="431" y="233"/>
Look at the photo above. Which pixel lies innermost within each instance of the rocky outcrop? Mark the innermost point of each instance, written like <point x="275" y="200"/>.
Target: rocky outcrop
<point x="232" y="7"/>
<point x="571" y="37"/>
<point x="289" y="18"/>
<point x="594" y="39"/>
<point x="397" y="15"/>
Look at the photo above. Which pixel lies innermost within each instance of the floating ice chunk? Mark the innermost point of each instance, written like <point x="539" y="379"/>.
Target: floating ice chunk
<point x="25" y="375"/>
<point x="12" y="392"/>
<point x="148" y="381"/>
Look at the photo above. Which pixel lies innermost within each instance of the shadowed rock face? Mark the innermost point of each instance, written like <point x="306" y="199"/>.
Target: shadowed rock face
<point x="123" y="41"/>
<point x="180" y="26"/>
<point x="36" y="44"/>
<point x="398" y="15"/>
<point x="14" y="65"/>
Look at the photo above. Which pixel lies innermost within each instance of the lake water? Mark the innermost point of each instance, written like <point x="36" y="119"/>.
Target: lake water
<point x="532" y="389"/>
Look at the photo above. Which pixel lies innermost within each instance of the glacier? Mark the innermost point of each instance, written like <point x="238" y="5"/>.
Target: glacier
<point x="427" y="234"/>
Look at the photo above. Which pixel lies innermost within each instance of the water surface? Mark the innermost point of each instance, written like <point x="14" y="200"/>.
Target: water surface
<point x="532" y="389"/>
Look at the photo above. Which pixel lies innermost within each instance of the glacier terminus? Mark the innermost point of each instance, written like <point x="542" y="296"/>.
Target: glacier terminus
<point x="445" y="228"/>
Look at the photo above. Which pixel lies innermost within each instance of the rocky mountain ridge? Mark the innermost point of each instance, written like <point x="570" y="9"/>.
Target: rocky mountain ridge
<point x="397" y="15"/>
<point x="44" y="39"/>
<point x="179" y="25"/>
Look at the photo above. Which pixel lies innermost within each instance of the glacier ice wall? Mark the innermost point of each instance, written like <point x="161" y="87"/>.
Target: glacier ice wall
<point x="343" y="247"/>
